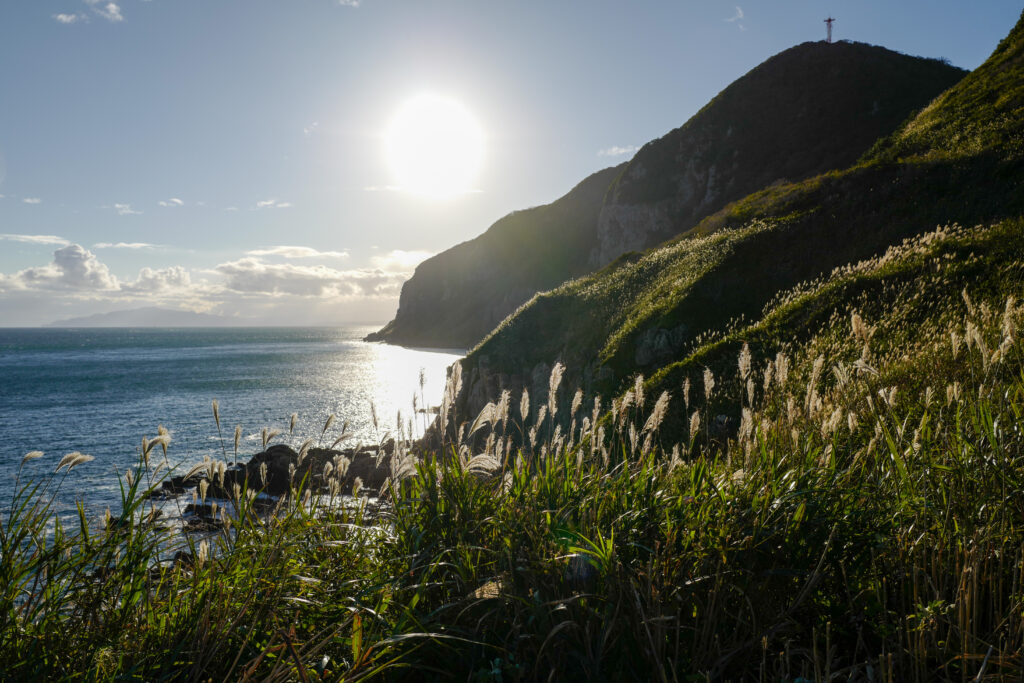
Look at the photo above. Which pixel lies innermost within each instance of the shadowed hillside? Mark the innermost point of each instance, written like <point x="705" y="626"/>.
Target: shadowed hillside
<point x="455" y="298"/>
<point x="809" y="109"/>
<point x="643" y="313"/>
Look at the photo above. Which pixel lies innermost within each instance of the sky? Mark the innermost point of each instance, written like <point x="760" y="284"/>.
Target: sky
<point x="231" y="156"/>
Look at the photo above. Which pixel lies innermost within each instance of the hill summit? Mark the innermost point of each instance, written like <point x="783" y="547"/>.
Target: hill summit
<point x="809" y="109"/>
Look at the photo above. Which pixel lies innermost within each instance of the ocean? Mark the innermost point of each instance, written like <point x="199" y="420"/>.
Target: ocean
<point x="99" y="391"/>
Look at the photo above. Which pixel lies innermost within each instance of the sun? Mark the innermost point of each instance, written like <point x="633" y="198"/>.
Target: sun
<point x="434" y="147"/>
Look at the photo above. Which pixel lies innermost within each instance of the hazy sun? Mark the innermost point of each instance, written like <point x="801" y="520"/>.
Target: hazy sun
<point x="434" y="147"/>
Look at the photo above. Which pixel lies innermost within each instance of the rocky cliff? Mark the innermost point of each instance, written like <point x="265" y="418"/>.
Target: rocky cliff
<point x="812" y="108"/>
<point x="958" y="161"/>
<point x="456" y="297"/>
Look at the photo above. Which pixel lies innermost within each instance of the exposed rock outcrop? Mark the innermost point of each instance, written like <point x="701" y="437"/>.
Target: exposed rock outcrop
<point x="807" y="110"/>
<point x="456" y="297"/>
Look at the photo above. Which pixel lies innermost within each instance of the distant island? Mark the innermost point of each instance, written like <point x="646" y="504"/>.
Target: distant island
<point x="151" y="316"/>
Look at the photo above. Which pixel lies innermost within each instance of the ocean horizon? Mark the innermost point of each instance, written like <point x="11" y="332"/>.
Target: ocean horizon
<point x="99" y="390"/>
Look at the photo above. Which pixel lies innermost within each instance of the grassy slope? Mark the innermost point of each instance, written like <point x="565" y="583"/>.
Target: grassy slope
<point x="854" y="524"/>
<point x="804" y="93"/>
<point x="733" y="263"/>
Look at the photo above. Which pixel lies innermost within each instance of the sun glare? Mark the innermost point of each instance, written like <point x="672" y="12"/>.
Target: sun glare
<point x="434" y="147"/>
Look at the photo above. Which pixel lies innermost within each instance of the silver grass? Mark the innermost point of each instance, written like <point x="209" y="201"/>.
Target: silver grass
<point x="554" y="381"/>
<point x="483" y="464"/>
<point x="504" y="402"/>
<point x="72" y="459"/>
<point x="638" y="390"/>
<point x="524" y="405"/>
<point x="686" y="393"/>
<point x="781" y="368"/>
<point x="291" y="423"/>
<point x="31" y="455"/>
<point x="657" y="415"/>
<point x="216" y="412"/>
<point x="162" y="431"/>
<point x="709" y="383"/>
<point x="202" y="553"/>
<point x="483" y="419"/>
<point x="304" y="449"/>
<point x="195" y="469"/>
<point x="343" y="437"/>
<point x="744" y="361"/>
<point x="694" y="424"/>
<point x="577" y="402"/>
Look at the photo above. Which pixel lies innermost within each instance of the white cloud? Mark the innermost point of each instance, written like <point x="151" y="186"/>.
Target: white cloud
<point x="291" y="252"/>
<point x="124" y="245"/>
<point x="737" y="16"/>
<point x="73" y="268"/>
<point x="32" y="200"/>
<point x="69" y="18"/>
<point x="254" y="276"/>
<point x="400" y="261"/>
<point x="382" y="188"/>
<point x="126" y="210"/>
<point x="310" y="129"/>
<point x="349" y="3"/>
<point x="110" y="11"/>
<point x="173" y="201"/>
<point x="272" y="204"/>
<point x="616" y="150"/>
<point x="159" y="280"/>
<point x="77" y="283"/>
<point x="35" y="239"/>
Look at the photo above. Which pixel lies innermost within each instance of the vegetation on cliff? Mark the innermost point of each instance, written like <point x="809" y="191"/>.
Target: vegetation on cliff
<point x="646" y="311"/>
<point x="806" y="110"/>
<point x="830" y="486"/>
<point x="862" y="520"/>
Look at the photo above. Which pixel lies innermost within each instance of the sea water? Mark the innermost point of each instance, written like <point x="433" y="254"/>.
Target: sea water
<point x="99" y="391"/>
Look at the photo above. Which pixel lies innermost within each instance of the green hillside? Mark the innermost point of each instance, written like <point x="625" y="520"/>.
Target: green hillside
<point x="647" y="311"/>
<point x="777" y="122"/>
<point x="810" y="109"/>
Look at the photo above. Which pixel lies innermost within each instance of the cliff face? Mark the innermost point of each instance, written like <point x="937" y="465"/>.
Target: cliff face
<point x="958" y="161"/>
<point x="810" y="109"/>
<point x="456" y="297"/>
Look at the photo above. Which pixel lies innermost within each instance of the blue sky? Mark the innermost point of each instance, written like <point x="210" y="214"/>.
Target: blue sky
<point x="227" y="155"/>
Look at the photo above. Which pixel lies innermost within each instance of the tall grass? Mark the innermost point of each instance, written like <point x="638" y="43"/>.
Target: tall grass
<point x="862" y="519"/>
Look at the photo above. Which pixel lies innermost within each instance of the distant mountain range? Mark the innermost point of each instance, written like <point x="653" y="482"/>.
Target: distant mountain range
<point x="150" y="317"/>
<point x="810" y="109"/>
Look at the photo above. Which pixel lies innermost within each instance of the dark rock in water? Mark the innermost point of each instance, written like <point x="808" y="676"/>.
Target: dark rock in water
<point x="369" y="465"/>
<point x="276" y="470"/>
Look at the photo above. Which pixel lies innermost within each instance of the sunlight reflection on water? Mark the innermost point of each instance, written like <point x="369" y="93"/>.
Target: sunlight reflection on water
<point x="100" y="391"/>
